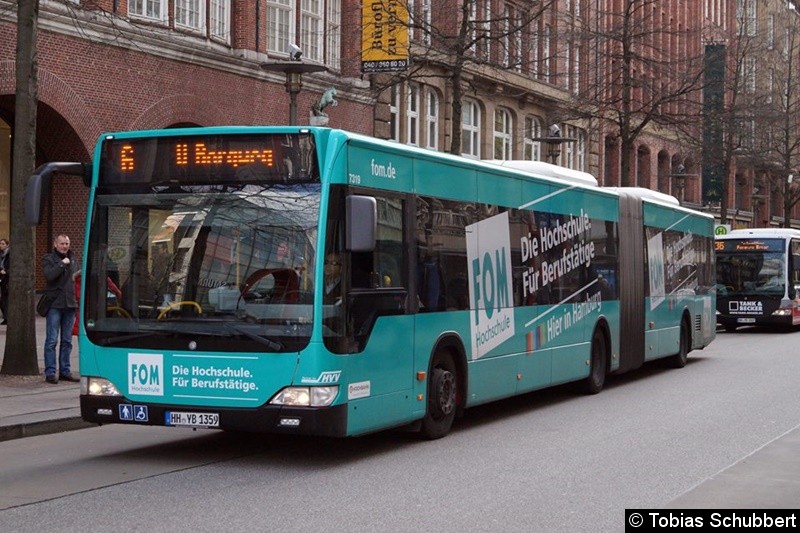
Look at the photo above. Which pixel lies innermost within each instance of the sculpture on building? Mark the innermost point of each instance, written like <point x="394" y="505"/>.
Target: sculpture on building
<point x="326" y="100"/>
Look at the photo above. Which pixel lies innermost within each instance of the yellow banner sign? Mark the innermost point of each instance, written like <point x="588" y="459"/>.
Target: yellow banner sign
<point x="384" y="35"/>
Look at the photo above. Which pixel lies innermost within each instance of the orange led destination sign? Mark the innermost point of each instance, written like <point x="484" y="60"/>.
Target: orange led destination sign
<point x="749" y="245"/>
<point x="199" y="154"/>
<point x="209" y="158"/>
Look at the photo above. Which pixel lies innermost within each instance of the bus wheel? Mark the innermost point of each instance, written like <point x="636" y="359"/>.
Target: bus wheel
<point x="679" y="359"/>
<point x="442" y="394"/>
<point x="597" y="370"/>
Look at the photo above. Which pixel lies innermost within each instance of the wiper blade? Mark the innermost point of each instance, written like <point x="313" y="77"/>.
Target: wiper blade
<point x="271" y="344"/>
<point x="123" y="338"/>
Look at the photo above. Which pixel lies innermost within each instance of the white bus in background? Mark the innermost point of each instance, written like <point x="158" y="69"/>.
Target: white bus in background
<point x="758" y="278"/>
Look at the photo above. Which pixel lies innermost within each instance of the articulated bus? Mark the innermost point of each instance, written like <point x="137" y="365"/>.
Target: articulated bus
<point x="457" y="282"/>
<point x="758" y="278"/>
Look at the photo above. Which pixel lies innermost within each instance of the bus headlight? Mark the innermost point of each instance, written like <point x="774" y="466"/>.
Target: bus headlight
<point x="306" y="396"/>
<point x="98" y="387"/>
<point x="783" y="311"/>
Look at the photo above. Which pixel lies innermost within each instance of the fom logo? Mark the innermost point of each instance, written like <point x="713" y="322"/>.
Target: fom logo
<point x="490" y="291"/>
<point x="146" y="374"/>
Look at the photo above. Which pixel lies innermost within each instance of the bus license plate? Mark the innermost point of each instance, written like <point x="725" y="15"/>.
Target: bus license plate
<point x="746" y="320"/>
<point x="180" y="418"/>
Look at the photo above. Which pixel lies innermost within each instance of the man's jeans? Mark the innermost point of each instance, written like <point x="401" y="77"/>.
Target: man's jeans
<point x="58" y="319"/>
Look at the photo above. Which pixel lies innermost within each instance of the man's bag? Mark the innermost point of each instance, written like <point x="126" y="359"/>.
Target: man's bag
<point x="45" y="302"/>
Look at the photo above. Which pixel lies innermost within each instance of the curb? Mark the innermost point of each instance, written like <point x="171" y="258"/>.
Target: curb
<point x="45" y="427"/>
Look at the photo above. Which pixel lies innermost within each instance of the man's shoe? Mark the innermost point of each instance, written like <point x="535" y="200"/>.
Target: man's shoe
<point x="51" y="379"/>
<point x="3" y="323"/>
<point x="69" y="377"/>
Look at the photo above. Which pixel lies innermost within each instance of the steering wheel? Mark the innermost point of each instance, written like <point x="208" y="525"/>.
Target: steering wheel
<point x="177" y="305"/>
<point x="120" y="311"/>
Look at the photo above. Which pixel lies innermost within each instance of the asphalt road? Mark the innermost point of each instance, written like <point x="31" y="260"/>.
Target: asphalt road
<point x="550" y="461"/>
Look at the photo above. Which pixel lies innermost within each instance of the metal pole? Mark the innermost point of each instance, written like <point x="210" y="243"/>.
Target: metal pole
<point x="292" y="108"/>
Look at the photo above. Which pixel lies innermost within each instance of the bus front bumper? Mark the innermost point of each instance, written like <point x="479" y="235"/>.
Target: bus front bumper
<point x="321" y="421"/>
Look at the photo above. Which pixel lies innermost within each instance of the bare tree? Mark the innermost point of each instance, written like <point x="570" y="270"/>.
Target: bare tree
<point x="776" y="124"/>
<point x="646" y="72"/>
<point x="20" y="357"/>
<point x="471" y="46"/>
<point x="730" y="121"/>
<point x="747" y="120"/>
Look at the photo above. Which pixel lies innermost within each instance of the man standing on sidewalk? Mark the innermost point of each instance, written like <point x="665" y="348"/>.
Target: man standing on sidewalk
<point x="58" y="267"/>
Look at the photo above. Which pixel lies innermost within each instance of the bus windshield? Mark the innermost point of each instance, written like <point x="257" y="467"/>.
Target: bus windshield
<point x="214" y="267"/>
<point x="757" y="272"/>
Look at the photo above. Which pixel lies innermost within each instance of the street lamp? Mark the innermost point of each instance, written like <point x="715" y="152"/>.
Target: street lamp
<point x="758" y="201"/>
<point x="294" y="71"/>
<point x="554" y="140"/>
<point x="679" y="178"/>
<point x="790" y="193"/>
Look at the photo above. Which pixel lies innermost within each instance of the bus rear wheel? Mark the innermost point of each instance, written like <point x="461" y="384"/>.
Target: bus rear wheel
<point x="598" y="363"/>
<point x="442" y="397"/>
<point x="679" y="359"/>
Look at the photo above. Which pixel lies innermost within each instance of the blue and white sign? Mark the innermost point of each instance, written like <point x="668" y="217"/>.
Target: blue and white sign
<point x="126" y="412"/>
<point x="490" y="284"/>
<point x="140" y="413"/>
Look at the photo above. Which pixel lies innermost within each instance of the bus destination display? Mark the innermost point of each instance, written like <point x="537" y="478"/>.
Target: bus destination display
<point x="749" y="245"/>
<point x="209" y="159"/>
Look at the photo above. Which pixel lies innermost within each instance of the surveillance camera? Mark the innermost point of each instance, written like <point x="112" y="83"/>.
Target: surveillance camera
<point x="554" y="131"/>
<point x="295" y="52"/>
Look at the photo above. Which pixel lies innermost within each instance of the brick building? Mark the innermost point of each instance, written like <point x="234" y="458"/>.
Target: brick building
<point x="534" y="68"/>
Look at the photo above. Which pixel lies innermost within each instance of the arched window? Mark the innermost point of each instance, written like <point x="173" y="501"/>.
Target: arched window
<point x="470" y="129"/>
<point x="502" y="136"/>
<point x="533" y="130"/>
<point x="394" y="113"/>
<point x="432" y="119"/>
<point x="412" y="114"/>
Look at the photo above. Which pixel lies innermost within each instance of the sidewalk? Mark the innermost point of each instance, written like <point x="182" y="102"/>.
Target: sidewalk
<point x="29" y="406"/>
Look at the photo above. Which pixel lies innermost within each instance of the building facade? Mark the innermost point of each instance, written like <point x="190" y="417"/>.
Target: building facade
<point x="542" y="80"/>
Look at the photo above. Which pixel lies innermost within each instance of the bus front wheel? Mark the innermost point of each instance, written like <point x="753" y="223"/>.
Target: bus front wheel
<point x="442" y="397"/>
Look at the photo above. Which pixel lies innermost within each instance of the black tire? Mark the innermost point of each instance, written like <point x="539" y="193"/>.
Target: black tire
<point x="442" y="397"/>
<point x="684" y="342"/>
<point x="598" y="363"/>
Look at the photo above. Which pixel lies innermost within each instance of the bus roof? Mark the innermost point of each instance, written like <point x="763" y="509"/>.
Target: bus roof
<point x="540" y="168"/>
<point x="647" y="194"/>
<point x="761" y="233"/>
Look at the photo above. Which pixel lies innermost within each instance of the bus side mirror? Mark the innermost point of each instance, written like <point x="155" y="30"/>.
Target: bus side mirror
<point x="39" y="185"/>
<point x="361" y="220"/>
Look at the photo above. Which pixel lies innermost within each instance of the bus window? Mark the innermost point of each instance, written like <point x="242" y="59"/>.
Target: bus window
<point x="441" y="253"/>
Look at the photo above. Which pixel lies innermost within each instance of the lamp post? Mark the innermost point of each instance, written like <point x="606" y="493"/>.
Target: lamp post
<point x="554" y="141"/>
<point x="789" y="199"/>
<point x="758" y="201"/>
<point x="679" y="180"/>
<point x="293" y="70"/>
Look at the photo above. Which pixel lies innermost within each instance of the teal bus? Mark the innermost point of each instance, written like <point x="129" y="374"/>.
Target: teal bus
<point x="457" y="282"/>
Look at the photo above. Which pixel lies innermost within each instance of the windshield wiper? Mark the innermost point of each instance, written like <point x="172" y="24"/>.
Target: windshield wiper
<point x="271" y="344"/>
<point x="129" y="337"/>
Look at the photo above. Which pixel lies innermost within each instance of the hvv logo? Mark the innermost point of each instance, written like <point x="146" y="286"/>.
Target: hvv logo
<point x="325" y="377"/>
<point x="490" y="289"/>
<point x="146" y="374"/>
